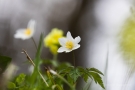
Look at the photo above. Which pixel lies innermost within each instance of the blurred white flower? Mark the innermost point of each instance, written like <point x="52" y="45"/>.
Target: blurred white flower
<point x="31" y="69"/>
<point x="26" y="33"/>
<point x="53" y="72"/>
<point x="68" y="44"/>
<point x="10" y="71"/>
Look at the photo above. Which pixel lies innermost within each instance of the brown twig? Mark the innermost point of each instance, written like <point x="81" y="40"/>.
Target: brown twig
<point x="28" y="57"/>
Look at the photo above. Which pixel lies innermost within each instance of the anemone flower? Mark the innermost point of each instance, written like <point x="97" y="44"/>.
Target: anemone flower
<point x="27" y="32"/>
<point x="68" y="44"/>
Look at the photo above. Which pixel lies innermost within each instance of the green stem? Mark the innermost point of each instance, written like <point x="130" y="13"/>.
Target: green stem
<point x="55" y="57"/>
<point x="58" y="87"/>
<point x="34" y="42"/>
<point x="43" y="79"/>
<point x="65" y="81"/>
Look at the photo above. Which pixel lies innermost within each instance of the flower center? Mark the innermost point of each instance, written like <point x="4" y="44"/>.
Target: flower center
<point x="27" y="31"/>
<point x="69" y="44"/>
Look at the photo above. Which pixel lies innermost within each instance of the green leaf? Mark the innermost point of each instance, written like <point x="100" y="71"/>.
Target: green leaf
<point x="37" y="60"/>
<point x="20" y="79"/>
<point x="93" y="74"/>
<point x="63" y="65"/>
<point x="11" y="85"/>
<point x="69" y="79"/>
<point x="38" y="53"/>
<point x="96" y="70"/>
<point x="65" y="70"/>
<point x="4" y="61"/>
<point x="84" y="73"/>
<point x="74" y="74"/>
<point x="97" y="79"/>
<point x="85" y="77"/>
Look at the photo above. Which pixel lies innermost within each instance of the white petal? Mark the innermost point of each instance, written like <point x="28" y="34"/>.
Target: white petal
<point x="68" y="50"/>
<point x="61" y="49"/>
<point x="77" y="39"/>
<point x="20" y="30"/>
<point x="76" y="47"/>
<point x="32" y="24"/>
<point x="31" y="69"/>
<point x="20" y="34"/>
<point x="53" y="72"/>
<point x="69" y="36"/>
<point x="62" y="41"/>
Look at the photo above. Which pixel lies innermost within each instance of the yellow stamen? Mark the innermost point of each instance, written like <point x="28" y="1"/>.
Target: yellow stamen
<point x="69" y="44"/>
<point x="27" y="31"/>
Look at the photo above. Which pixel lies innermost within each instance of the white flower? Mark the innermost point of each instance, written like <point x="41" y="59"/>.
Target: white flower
<point x="31" y="69"/>
<point x="68" y="44"/>
<point x="26" y="33"/>
<point x="53" y="72"/>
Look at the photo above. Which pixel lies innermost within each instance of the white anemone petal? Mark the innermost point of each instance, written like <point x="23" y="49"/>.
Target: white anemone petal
<point x="31" y="24"/>
<point x="20" y="34"/>
<point x="76" y="46"/>
<point x="62" y="49"/>
<point x="62" y="41"/>
<point x="77" y="39"/>
<point x="68" y="50"/>
<point x="20" y="30"/>
<point x="69" y="36"/>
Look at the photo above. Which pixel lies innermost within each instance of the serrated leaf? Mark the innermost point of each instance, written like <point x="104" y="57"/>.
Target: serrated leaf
<point x="4" y="61"/>
<point x="11" y="85"/>
<point x="63" y="65"/>
<point x="97" y="79"/>
<point x="93" y="74"/>
<point x="84" y="73"/>
<point x="96" y="70"/>
<point x="85" y="77"/>
<point x="65" y="70"/>
<point x="70" y="80"/>
<point x="74" y="74"/>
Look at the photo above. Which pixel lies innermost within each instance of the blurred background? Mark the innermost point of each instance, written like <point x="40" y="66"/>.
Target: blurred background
<point x="97" y="22"/>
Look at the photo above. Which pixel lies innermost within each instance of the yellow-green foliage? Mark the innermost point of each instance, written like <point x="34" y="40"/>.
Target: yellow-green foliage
<point x="127" y="40"/>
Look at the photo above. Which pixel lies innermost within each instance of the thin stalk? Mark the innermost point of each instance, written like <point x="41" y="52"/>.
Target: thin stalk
<point x="50" y="77"/>
<point x="34" y="42"/>
<point x="74" y="66"/>
<point x="55" y="57"/>
<point x="28" y="57"/>
<point x="43" y="79"/>
<point x="74" y="59"/>
<point x="57" y="86"/>
<point x="53" y="82"/>
<point x="106" y="67"/>
<point x="63" y="79"/>
<point x="129" y="73"/>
